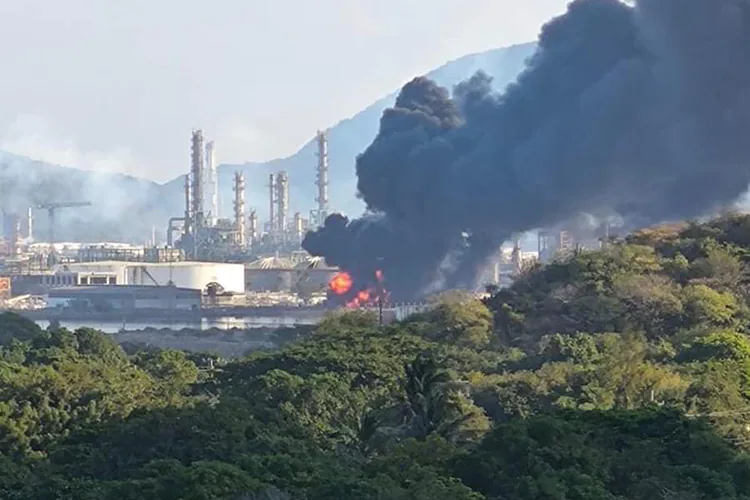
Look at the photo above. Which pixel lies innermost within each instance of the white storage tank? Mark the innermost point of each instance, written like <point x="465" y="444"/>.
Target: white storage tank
<point x="192" y="275"/>
<point x="269" y="274"/>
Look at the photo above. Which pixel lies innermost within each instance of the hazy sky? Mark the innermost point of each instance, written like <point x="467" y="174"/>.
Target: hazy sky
<point x="118" y="85"/>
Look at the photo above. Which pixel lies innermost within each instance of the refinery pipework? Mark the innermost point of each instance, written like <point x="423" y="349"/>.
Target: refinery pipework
<point x="206" y="236"/>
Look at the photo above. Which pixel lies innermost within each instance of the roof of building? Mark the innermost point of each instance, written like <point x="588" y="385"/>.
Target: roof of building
<point x="271" y="263"/>
<point x="314" y="263"/>
<point x="110" y="291"/>
<point x="122" y="263"/>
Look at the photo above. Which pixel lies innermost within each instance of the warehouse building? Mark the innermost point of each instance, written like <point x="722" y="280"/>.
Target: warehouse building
<point x="124" y="298"/>
<point x="219" y="276"/>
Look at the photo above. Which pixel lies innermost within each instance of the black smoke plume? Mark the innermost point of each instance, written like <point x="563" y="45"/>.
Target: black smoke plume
<point x="641" y="111"/>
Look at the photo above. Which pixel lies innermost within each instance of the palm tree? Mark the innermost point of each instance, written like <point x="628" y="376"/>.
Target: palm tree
<point x="427" y="400"/>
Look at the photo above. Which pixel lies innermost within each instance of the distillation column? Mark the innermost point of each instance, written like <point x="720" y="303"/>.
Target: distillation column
<point x="282" y="200"/>
<point x="252" y="229"/>
<point x="30" y="224"/>
<point x="187" y="226"/>
<point x="239" y="209"/>
<point x="197" y="170"/>
<point x="299" y="227"/>
<point x="322" y="179"/>
<point x="272" y="229"/>
<point x="211" y="191"/>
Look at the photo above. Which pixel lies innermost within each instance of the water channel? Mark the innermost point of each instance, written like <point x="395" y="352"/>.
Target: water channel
<point x="221" y="323"/>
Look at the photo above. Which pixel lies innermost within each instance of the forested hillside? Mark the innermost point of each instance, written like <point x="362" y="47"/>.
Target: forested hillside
<point x="617" y="374"/>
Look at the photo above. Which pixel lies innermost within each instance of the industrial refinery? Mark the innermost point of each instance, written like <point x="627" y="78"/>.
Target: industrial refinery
<point x="232" y="260"/>
<point x="203" y="235"/>
<point x="211" y="260"/>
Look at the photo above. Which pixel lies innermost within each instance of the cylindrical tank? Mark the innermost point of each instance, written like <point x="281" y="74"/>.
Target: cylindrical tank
<point x="268" y="280"/>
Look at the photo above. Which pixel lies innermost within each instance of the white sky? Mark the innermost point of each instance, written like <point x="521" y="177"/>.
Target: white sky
<point x="118" y="85"/>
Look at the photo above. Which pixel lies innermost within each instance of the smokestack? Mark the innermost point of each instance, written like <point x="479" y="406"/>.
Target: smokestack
<point x="197" y="170"/>
<point x="239" y="208"/>
<point x="212" y="183"/>
<point x="272" y="227"/>
<point x="253" y="228"/>
<point x="322" y="178"/>
<point x="282" y="199"/>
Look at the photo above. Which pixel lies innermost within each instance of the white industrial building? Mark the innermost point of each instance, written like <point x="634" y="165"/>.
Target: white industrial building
<point x="223" y="277"/>
<point x="124" y="298"/>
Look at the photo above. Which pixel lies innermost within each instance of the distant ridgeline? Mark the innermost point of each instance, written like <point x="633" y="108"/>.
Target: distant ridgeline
<point x="127" y="209"/>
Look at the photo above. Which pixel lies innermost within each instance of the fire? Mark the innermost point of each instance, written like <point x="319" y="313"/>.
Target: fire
<point x="370" y="296"/>
<point x="341" y="283"/>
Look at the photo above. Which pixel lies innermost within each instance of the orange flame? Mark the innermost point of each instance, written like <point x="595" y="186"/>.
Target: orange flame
<point x="341" y="283"/>
<point x="370" y="296"/>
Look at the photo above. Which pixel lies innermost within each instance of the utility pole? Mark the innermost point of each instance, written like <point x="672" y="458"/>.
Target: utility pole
<point x="380" y="289"/>
<point x="380" y="308"/>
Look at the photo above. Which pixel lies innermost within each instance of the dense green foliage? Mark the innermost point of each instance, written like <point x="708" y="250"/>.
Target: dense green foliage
<point x="617" y="374"/>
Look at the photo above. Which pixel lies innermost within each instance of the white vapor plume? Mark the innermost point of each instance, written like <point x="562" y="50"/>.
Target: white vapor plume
<point x="32" y="152"/>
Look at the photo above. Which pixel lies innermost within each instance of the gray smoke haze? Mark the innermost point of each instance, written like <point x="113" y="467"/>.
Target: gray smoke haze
<point x="26" y="183"/>
<point x="641" y="111"/>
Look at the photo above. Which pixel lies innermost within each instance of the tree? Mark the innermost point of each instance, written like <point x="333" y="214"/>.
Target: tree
<point x="604" y="455"/>
<point x="13" y="326"/>
<point x="436" y="404"/>
<point x="709" y="307"/>
<point x="173" y="371"/>
<point x="457" y="318"/>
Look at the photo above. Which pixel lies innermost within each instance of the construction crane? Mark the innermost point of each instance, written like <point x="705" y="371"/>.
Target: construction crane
<point x="51" y="208"/>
